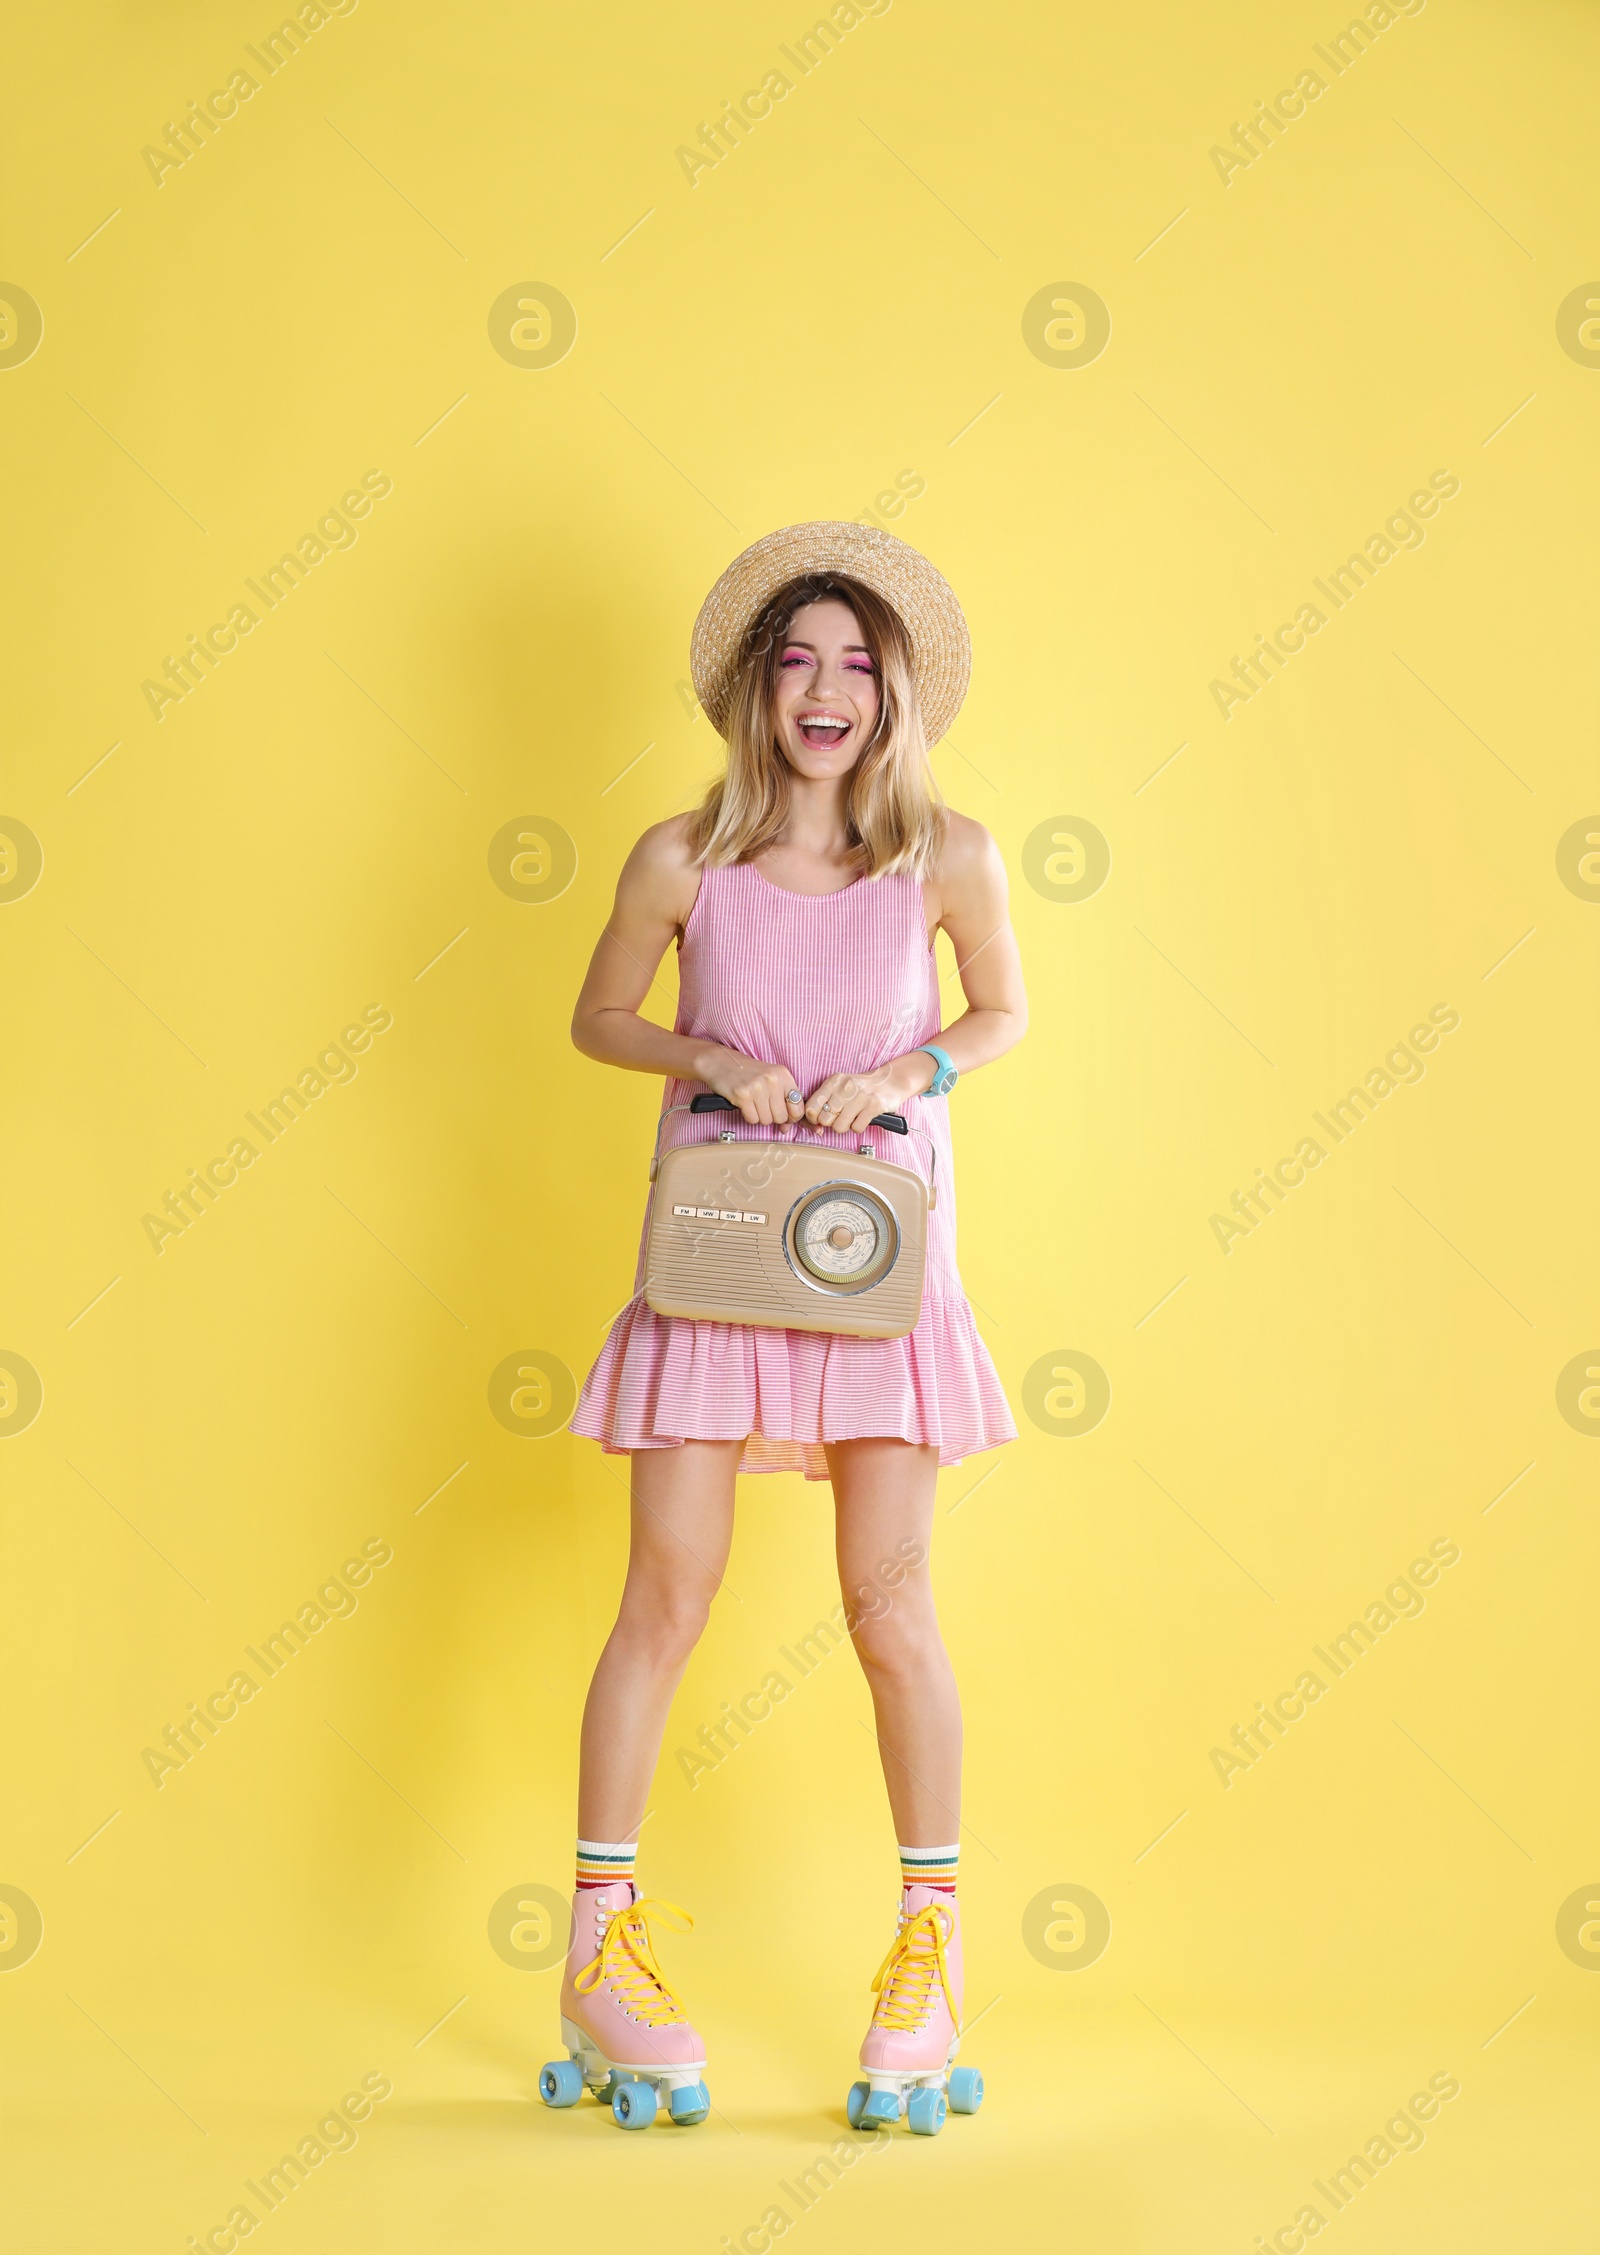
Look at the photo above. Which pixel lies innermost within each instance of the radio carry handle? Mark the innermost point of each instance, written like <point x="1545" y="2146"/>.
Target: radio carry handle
<point x="709" y="1101"/>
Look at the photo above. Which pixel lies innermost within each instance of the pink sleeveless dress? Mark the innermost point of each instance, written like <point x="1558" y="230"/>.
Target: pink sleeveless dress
<point x="820" y="983"/>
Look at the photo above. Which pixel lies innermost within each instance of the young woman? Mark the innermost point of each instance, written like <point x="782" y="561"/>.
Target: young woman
<point x="803" y="896"/>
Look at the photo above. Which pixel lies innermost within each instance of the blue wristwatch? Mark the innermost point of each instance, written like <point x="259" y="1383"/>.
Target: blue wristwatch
<point x="946" y="1077"/>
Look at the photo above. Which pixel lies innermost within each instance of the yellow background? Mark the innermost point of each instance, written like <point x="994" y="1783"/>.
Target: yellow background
<point x="1292" y="354"/>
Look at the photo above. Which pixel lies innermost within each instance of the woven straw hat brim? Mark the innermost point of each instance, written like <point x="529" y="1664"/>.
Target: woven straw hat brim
<point x="922" y="597"/>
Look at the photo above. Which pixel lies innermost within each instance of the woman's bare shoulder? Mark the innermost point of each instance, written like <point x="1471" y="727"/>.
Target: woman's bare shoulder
<point x="661" y="872"/>
<point x="665" y="845"/>
<point x="971" y="862"/>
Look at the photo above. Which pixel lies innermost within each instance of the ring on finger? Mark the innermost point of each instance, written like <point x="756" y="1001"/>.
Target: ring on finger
<point x="794" y="1097"/>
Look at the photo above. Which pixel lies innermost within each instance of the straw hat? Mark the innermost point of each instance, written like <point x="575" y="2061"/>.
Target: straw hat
<point x="923" y="599"/>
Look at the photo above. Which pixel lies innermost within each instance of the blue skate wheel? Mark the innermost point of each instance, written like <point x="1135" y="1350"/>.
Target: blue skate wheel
<point x="856" y="2103"/>
<point x="880" y="2106"/>
<point x="633" y="2106"/>
<point x="966" y="2090"/>
<point x="561" y="2082"/>
<point x="690" y="2102"/>
<point x="925" y="2112"/>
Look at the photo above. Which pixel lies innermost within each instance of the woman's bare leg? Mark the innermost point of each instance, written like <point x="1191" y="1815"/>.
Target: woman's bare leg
<point x="682" y="1527"/>
<point x="883" y="1504"/>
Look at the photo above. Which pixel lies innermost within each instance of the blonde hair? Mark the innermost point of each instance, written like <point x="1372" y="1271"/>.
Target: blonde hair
<point x="894" y="815"/>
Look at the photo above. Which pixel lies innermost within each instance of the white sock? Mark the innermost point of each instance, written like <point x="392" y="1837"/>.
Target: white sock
<point x="602" y="1862"/>
<point x="930" y="1867"/>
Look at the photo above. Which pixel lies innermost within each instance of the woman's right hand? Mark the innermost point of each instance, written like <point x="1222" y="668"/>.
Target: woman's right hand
<point x="760" y="1092"/>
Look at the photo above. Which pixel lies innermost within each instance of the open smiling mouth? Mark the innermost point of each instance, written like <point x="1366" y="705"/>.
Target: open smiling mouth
<point x="822" y="731"/>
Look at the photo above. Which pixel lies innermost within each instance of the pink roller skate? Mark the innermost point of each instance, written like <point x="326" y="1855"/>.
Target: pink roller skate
<point x="627" y="2036"/>
<point x="916" y="2028"/>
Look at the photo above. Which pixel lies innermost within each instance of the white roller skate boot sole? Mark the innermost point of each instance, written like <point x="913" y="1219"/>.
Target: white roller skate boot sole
<point x="885" y="2096"/>
<point x="635" y="2091"/>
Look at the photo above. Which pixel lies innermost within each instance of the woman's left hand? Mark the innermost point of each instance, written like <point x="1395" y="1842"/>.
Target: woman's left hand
<point x="849" y="1102"/>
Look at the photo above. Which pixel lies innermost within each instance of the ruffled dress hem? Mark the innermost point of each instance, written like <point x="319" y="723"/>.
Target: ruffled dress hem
<point x="659" y="1381"/>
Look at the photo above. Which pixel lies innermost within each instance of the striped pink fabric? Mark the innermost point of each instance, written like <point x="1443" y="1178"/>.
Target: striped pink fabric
<point x="836" y="982"/>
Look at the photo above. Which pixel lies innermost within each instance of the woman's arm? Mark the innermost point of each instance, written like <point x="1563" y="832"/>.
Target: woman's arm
<point x="655" y="895"/>
<point x="973" y="908"/>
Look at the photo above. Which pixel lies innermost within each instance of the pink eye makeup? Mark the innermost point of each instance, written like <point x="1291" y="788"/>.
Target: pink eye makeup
<point x="859" y="662"/>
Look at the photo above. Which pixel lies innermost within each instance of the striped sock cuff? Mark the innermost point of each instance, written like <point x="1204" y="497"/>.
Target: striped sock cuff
<point x="600" y="1862"/>
<point x="929" y="1867"/>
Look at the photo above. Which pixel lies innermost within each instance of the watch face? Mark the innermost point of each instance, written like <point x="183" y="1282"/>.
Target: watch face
<point x="842" y="1238"/>
<point x="945" y="1075"/>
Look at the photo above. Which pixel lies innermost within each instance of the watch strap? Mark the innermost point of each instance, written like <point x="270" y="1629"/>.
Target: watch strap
<point x="948" y="1071"/>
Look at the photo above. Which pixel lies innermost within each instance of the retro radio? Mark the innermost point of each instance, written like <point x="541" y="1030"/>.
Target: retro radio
<point x="787" y="1234"/>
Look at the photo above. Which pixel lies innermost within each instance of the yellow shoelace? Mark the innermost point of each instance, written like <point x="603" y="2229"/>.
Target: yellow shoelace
<point x="628" y="1960"/>
<point x="904" y="1981"/>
